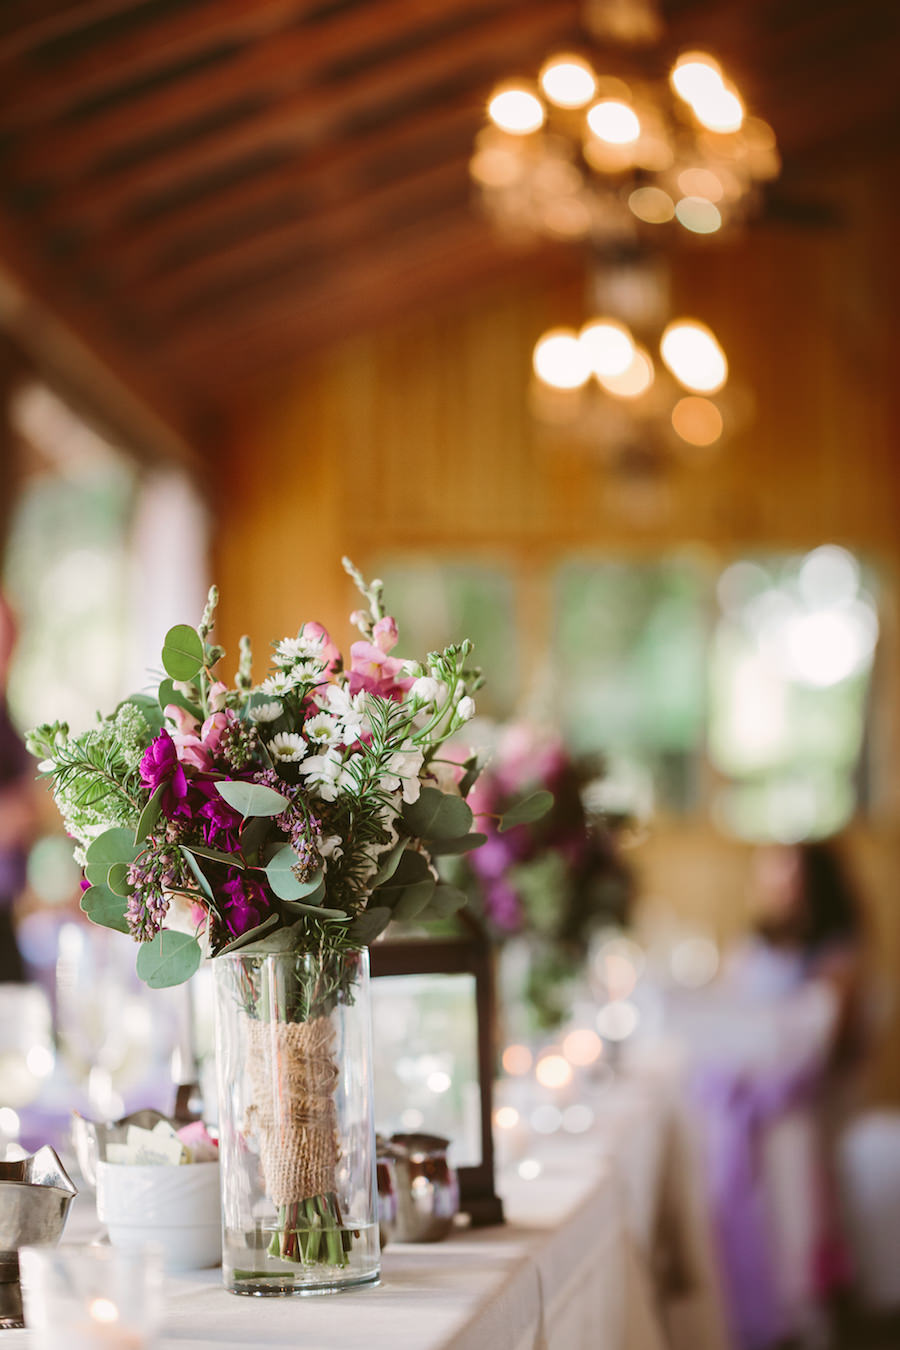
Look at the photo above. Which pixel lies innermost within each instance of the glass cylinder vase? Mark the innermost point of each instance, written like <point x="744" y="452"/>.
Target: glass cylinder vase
<point x="296" y="1123"/>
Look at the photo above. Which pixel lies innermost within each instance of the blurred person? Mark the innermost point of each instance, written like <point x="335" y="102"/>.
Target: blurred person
<point x="791" y="988"/>
<point x="18" y="811"/>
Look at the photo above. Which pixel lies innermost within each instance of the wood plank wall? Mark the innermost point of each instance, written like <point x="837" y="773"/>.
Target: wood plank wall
<point x="419" y="438"/>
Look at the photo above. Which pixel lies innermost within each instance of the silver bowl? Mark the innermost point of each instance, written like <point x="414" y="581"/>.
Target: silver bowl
<point x="35" y="1195"/>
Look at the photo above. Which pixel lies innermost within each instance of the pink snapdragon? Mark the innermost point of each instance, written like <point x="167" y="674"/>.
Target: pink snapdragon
<point x="198" y="745"/>
<point x="372" y="669"/>
<point x="328" y="651"/>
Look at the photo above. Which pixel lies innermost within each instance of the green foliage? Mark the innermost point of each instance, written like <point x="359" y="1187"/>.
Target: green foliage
<point x="150" y="815"/>
<point x="111" y="847"/>
<point x="252" y="799"/>
<point x="104" y="908"/>
<point x="527" y="811"/>
<point x="169" y="958"/>
<point x="436" y="815"/>
<point x="182" y="653"/>
<point x="282" y="876"/>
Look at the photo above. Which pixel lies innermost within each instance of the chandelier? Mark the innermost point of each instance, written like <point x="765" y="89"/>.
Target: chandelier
<point x="634" y="383"/>
<point x="586" y="152"/>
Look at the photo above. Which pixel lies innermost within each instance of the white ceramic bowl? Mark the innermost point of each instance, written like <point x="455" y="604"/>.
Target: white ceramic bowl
<point x="177" y="1207"/>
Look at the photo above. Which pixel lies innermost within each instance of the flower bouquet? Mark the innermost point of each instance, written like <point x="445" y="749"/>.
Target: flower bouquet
<point x="548" y="882"/>
<point x="278" y="827"/>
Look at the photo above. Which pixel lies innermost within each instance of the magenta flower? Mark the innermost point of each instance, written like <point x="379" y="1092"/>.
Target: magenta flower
<point x="245" y="905"/>
<point x="160" y="766"/>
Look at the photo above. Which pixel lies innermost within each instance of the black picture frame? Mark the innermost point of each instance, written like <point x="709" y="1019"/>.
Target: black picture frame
<point x="466" y="955"/>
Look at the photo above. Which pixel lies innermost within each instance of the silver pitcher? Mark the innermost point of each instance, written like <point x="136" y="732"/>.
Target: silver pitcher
<point x="35" y="1195"/>
<point x="427" y="1188"/>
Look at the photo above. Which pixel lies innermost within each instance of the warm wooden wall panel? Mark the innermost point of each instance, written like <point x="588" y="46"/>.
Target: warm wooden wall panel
<point x="419" y="438"/>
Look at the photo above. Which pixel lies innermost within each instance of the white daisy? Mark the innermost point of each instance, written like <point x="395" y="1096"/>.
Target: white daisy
<point x="287" y="746"/>
<point x="267" y="712"/>
<point x="278" y="684"/>
<point x="323" y="730"/>
<point x="290" y="650"/>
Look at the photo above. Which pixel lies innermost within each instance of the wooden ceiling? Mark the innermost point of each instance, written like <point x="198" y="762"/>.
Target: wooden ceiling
<point x="202" y="190"/>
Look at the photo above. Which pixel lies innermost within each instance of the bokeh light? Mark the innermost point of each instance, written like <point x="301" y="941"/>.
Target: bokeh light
<point x="517" y="111"/>
<point x="692" y="353"/>
<point x="506" y="1117"/>
<point x="553" y="1071"/>
<point x="697" y="420"/>
<point x="517" y="1060"/>
<point x="698" y="215"/>
<point x="614" y="122"/>
<point x="568" y="81"/>
<point x="696" y="75"/>
<point x="582" y="1046"/>
<point x="609" y="346"/>
<point x="651" y="204"/>
<point x="618" y="1020"/>
<point x="560" y="360"/>
<point x="633" y="381"/>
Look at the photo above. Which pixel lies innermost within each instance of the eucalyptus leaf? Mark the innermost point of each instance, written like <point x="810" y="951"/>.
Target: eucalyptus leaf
<point x="284" y="881"/>
<point x="254" y="832"/>
<point x="411" y="900"/>
<point x="105" y="909"/>
<point x="197" y="873"/>
<point x="182" y="653"/>
<point x="527" y="811"/>
<point x="446" y="900"/>
<point x="317" y="911"/>
<point x="216" y="855"/>
<point x="117" y="879"/>
<point x="366" y="927"/>
<point x="440" y="847"/>
<point x="115" y="845"/>
<point x="169" y="694"/>
<point x="437" y="815"/>
<point x="253" y="935"/>
<point x="252" y="799"/>
<point x="389" y="865"/>
<point x="472" y="770"/>
<point x="150" y="815"/>
<point x="168" y="958"/>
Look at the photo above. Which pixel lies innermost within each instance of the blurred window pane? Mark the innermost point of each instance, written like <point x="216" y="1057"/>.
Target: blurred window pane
<point x="790" y="672"/>
<point x="436" y="602"/>
<point x="630" y="655"/>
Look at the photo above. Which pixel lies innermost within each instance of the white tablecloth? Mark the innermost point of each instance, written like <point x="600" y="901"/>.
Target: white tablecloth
<point x="574" y="1267"/>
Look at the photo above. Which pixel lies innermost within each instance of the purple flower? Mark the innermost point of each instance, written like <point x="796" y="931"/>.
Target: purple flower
<point x="219" y="822"/>
<point x="245" y="906"/>
<point x="503" y="907"/>
<point x="160" y="766"/>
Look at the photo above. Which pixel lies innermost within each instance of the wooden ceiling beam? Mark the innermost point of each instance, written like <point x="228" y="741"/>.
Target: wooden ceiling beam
<point x="62" y="332"/>
<point x="328" y="231"/>
<point x="144" y="247"/>
<point x="263" y="70"/>
<point x="308" y="117"/>
<point x="26" y="24"/>
<point x="144" y="50"/>
<point x="303" y="309"/>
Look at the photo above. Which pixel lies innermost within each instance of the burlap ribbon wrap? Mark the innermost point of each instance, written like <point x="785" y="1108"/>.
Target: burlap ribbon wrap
<point x="293" y="1075"/>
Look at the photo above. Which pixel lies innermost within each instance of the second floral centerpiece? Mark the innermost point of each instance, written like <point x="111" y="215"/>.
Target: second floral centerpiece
<point x="278" y="828"/>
